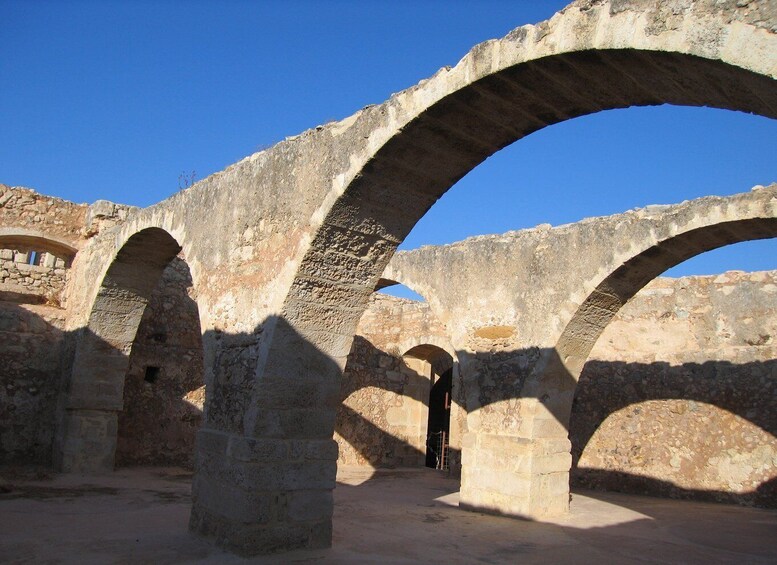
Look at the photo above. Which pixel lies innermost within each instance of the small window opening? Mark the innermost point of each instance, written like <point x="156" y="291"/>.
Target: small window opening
<point x="33" y="258"/>
<point x="158" y="337"/>
<point x="152" y="374"/>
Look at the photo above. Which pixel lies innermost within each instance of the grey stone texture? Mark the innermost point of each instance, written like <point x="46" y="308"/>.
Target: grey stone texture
<point x="31" y="338"/>
<point x="286" y="246"/>
<point x="164" y="390"/>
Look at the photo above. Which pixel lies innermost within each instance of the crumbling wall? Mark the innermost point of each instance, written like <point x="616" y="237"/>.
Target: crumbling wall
<point x="40" y="277"/>
<point x="679" y="396"/>
<point x="26" y="209"/>
<point x="32" y="323"/>
<point x="31" y="337"/>
<point x="38" y="238"/>
<point x="164" y="389"/>
<point x="382" y="419"/>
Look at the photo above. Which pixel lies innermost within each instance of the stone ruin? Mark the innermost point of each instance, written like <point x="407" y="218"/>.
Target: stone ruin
<point x="234" y="329"/>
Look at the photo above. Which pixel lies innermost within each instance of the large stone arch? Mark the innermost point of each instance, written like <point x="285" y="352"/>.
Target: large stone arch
<point x="87" y="431"/>
<point x="591" y="57"/>
<point x="552" y="385"/>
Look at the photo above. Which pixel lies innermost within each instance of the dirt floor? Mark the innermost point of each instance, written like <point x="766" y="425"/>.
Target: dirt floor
<point x="400" y="516"/>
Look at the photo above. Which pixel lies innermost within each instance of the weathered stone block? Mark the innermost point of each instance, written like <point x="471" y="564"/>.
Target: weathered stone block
<point x="310" y="505"/>
<point x="258" y="450"/>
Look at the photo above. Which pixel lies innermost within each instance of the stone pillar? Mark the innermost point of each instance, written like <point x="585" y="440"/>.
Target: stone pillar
<point x="86" y="434"/>
<point x="87" y="441"/>
<point x="263" y="495"/>
<point x="515" y="476"/>
<point x="516" y="454"/>
<point x="266" y="461"/>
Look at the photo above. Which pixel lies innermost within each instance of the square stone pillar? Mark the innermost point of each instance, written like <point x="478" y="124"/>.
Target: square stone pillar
<point x="86" y="441"/>
<point x="525" y="477"/>
<point x="264" y="495"/>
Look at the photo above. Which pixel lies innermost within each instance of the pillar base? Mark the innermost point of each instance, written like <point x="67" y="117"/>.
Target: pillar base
<point x="257" y="496"/>
<point x="87" y="441"/>
<point x="250" y="539"/>
<point x="517" y="477"/>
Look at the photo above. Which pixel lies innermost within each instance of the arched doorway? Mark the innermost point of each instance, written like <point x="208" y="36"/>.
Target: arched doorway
<point x="438" y="429"/>
<point x="390" y="385"/>
<point x="434" y="367"/>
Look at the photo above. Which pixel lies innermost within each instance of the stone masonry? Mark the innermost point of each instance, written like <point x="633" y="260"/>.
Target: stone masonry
<point x="164" y="390"/>
<point x="679" y="396"/>
<point x="286" y="247"/>
<point x="386" y="384"/>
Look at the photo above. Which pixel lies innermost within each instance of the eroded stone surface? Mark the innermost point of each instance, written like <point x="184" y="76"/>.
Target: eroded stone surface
<point x="679" y="396"/>
<point x="286" y="246"/>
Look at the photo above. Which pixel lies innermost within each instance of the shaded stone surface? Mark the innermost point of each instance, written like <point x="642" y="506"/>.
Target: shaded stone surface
<point x="680" y="395"/>
<point x="164" y="390"/>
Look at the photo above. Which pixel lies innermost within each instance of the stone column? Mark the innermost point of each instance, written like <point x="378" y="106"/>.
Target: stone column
<point x="266" y="460"/>
<point x="516" y="454"/>
<point x="85" y="439"/>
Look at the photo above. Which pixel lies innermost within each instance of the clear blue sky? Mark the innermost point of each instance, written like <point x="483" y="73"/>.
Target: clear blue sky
<point x="115" y="100"/>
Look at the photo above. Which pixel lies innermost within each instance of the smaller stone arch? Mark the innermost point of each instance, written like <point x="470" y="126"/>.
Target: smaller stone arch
<point x="601" y="305"/>
<point x="427" y="346"/>
<point x="86" y="436"/>
<point x="436" y="365"/>
<point x="22" y="238"/>
<point x="34" y="266"/>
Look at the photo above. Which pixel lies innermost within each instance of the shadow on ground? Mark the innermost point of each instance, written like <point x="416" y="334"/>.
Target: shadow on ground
<point x="386" y="516"/>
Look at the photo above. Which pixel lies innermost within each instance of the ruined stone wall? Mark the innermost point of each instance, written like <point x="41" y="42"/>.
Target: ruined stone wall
<point x="164" y="390"/>
<point x="679" y="396"/>
<point x="24" y="208"/>
<point x="34" y="233"/>
<point x="45" y="279"/>
<point x="32" y="322"/>
<point x="31" y="340"/>
<point x="382" y="419"/>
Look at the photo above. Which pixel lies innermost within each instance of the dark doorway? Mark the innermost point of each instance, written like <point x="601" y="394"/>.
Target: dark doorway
<point x="438" y="429"/>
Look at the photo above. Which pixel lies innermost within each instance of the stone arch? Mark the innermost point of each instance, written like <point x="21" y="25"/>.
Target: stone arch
<point x="87" y="432"/>
<point x="553" y="382"/>
<point x="419" y="343"/>
<point x="601" y="305"/>
<point x="580" y="62"/>
<point x="42" y="241"/>
<point x="593" y="56"/>
<point x="437" y="367"/>
<point x="383" y="417"/>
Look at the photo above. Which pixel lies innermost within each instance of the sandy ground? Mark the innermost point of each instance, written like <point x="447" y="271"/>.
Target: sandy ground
<point x="398" y="516"/>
